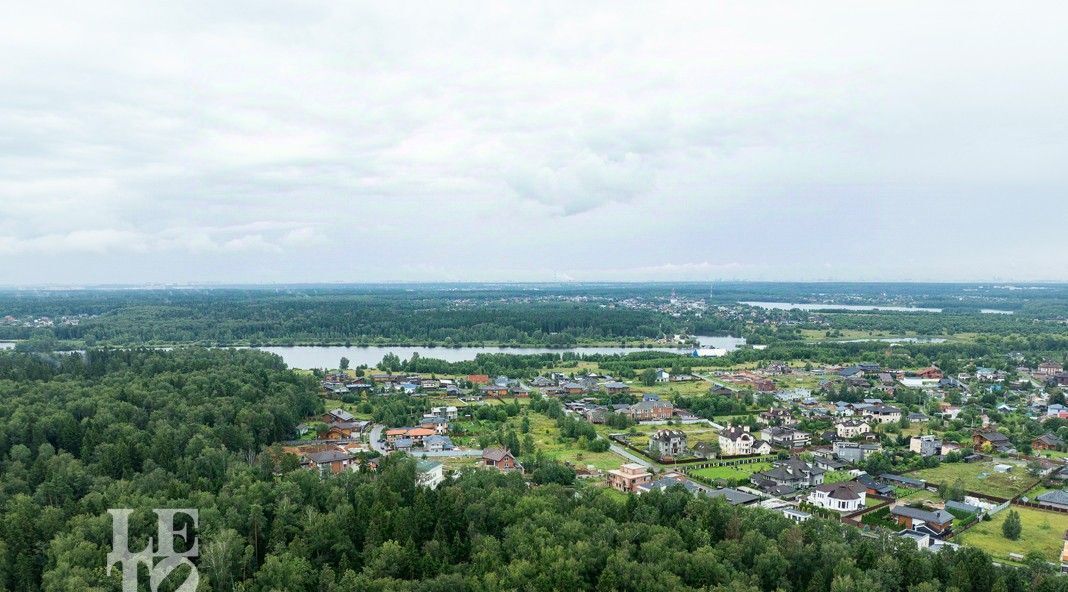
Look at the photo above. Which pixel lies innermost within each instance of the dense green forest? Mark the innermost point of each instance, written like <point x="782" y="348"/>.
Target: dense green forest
<point x="559" y="314"/>
<point x="191" y="427"/>
<point x="391" y="316"/>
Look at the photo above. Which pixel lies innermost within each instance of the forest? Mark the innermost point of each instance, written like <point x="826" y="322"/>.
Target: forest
<point x="194" y="428"/>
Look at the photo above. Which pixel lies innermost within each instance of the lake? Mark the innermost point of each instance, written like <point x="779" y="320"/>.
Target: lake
<point x="856" y="307"/>
<point x="328" y="356"/>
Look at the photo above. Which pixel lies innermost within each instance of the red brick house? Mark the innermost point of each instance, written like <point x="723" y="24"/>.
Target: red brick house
<point x="500" y="459"/>
<point x="478" y="378"/>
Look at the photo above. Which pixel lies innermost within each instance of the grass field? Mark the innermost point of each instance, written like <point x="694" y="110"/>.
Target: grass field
<point x="695" y="433"/>
<point x="980" y="477"/>
<point x="1042" y="531"/>
<point x="732" y="473"/>
<point x="547" y="439"/>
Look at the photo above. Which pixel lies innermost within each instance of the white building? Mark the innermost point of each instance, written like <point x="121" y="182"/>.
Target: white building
<point x="736" y="441"/>
<point x="851" y="428"/>
<point x="429" y="473"/>
<point x="848" y="496"/>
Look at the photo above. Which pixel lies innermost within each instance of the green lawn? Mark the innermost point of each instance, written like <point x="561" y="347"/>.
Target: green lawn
<point x="733" y="473"/>
<point x="547" y="439"/>
<point x="980" y="477"/>
<point x="1042" y="531"/>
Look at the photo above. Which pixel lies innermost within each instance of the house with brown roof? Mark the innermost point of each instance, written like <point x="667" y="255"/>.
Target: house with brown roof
<point x="846" y="496"/>
<point x="1048" y="441"/>
<point x="500" y="459"/>
<point x="1049" y="368"/>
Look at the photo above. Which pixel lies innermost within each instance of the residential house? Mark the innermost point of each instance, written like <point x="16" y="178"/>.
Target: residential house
<point x="345" y="430"/>
<point x="478" y="378"/>
<point x="736" y="441"/>
<point x="927" y="445"/>
<point x="776" y="416"/>
<point x="500" y="459"/>
<point x="788" y="475"/>
<point x="851" y="428"/>
<point x="1058" y="498"/>
<point x="1049" y="368"/>
<point x="429" y="473"/>
<point x="541" y="382"/>
<point x="786" y="437"/>
<point x="662" y="375"/>
<point x="493" y="390"/>
<point x="614" y="387"/>
<point x="916" y="417"/>
<point x="845" y="497"/>
<point x="734" y="497"/>
<point x="573" y="388"/>
<point x="328" y="461"/>
<point x="651" y="408"/>
<point x="1048" y="441"/>
<point x="937" y="523"/>
<point x="437" y="443"/>
<point x="629" y="477"/>
<point x="883" y="413"/>
<point x="337" y="416"/>
<point x="996" y="440"/>
<point x="449" y="412"/>
<point x="667" y="444"/>
<point x="854" y="452"/>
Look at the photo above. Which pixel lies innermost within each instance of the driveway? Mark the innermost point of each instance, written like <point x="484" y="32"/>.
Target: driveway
<point x="630" y="456"/>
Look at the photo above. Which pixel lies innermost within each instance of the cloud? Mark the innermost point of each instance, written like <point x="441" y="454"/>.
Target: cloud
<point x="532" y="142"/>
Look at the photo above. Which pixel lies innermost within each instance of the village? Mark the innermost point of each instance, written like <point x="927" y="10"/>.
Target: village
<point x="940" y="460"/>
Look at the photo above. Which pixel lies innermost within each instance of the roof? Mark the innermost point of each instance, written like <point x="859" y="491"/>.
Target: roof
<point x="937" y="516"/>
<point x="1057" y="496"/>
<point x="667" y="434"/>
<point x="670" y="481"/>
<point x="425" y="466"/>
<point x="342" y="414"/>
<point x="961" y="506"/>
<point x="734" y="433"/>
<point x="845" y="490"/>
<point x="994" y="436"/>
<point x="903" y="480"/>
<point x="734" y="497"/>
<point x="1050" y="440"/>
<point x="495" y="453"/>
<point x="327" y="456"/>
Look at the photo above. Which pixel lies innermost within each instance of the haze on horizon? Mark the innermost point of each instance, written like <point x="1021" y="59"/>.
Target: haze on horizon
<point x="286" y="142"/>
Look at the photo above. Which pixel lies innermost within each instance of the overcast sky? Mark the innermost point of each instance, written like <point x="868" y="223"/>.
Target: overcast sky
<point x="292" y="142"/>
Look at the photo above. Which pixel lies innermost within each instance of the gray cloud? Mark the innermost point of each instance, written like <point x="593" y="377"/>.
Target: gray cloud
<point x="312" y="141"/>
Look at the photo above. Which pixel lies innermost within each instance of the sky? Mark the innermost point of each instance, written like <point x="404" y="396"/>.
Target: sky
<point x="280" y="142"/>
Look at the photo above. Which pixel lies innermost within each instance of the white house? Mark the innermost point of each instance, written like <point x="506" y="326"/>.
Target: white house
<point x="736" y="441"/>
<point x="429" y="473"/>
<point x="851" y="428"/>
<point x="848" y="496"/>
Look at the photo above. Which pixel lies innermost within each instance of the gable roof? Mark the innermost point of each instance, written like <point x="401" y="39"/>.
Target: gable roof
<point x="937" y="516"/>
<point x="496" y="453"/>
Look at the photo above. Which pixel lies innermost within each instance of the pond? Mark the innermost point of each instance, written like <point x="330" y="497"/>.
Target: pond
<point x="328" y="356"/>
<point x="854" y="307"/>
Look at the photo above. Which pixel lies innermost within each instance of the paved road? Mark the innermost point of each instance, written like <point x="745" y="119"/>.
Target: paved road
<point x="630" y="456"/>
<point x="376" y="435"/>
